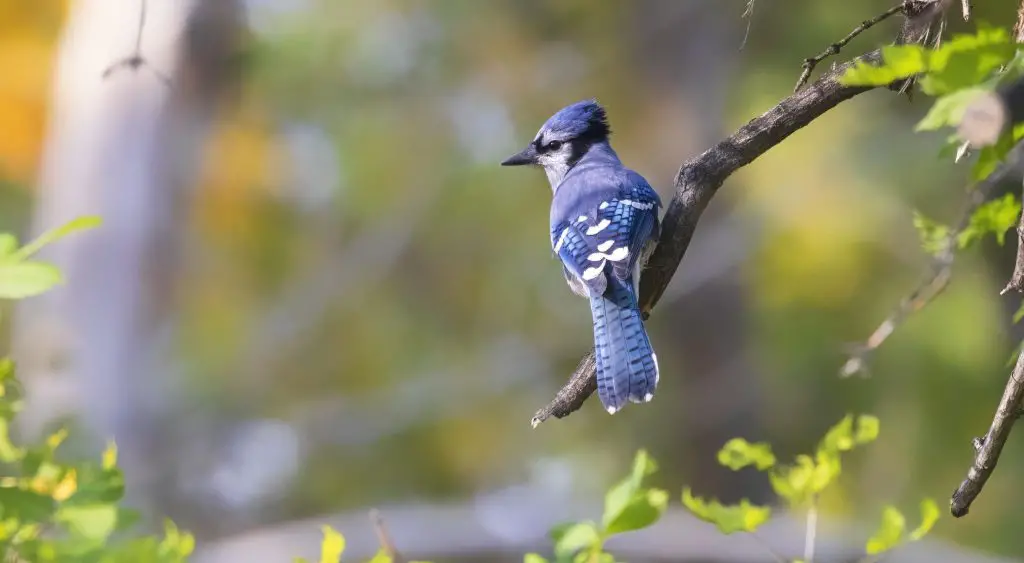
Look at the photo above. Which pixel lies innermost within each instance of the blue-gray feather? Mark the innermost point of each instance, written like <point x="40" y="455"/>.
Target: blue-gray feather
<point x="604" y="217"/>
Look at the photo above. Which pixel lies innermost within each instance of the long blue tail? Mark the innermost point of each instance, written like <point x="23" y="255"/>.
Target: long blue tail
<point x="627" y="368"/>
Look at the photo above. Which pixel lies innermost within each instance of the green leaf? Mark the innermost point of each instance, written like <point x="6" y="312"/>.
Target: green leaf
<point x="8" y="451"/>
<point x="533" y="558"/>
<point x="1019" y="314"/>
<point x="333" y="545"/>
<point x="826" y="468"/>
<point x="933" y="235"/>
<point x="8" y="244"/>
<point x="929" y="515"/>
<point x="967" y="60"/>
<point x="742" y="517"/>
<point x="109" y="459"/>
<point x="867" y="429"/>
<point x="620" y="495"/>
<point x="52" y="235"/>
<point x="899" y="61"/>
<point x="948" y="110"/>
<point x="962" y="62"/>
<point x="570" y="538"/>
<point x="97" y="486"/>
<point x="25" y="279"/>
<point x="994" y="217"/>
<point x="94" y="522"/>
<point x="643" y="510"/>
<point x="839" y="438"/>
<point x="26" y="506"/>
<point x="889" y="533"/>
<point x="739" y="453"/>
<point x="381" y="557"/>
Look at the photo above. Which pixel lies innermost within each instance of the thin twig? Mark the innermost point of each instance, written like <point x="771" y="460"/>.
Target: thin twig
<point x="834" y="48"/>
<point x="748" y="14"/>
<point x="812" y="531"/>
<point x="763" y="543"/>
<point x="135" y="60"/>
<point x="934" y="283"/>
<point x="696" y="183"/>
<point x="1016" y="282"/>
<point x="142" y="26"/>
<point x="383" y="538"/>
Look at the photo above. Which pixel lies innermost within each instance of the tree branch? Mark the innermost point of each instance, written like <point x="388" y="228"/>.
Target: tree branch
<point x="1016" y="282"/>
<point x="987" y="449"/>
<point x="696" y="183"/>
<point x="927" y="290"/>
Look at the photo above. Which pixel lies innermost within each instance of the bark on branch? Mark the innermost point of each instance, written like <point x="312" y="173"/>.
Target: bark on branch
<point x="988" y="448"/>
<point x="696" y="183"/>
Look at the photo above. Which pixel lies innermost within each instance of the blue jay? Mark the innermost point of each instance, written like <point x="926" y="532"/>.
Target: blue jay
<point x="604" y="225"/>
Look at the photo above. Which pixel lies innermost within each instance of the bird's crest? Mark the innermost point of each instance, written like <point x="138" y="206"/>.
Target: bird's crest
<point x="585" y="118"/>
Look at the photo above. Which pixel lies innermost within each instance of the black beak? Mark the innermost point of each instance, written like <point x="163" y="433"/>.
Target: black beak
<point x="526" y="156"/>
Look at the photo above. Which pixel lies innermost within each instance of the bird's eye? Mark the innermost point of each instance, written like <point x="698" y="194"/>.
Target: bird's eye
<point x="554" y="145"/>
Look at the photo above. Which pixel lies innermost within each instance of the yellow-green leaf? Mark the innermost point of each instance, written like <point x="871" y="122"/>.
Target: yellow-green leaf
<point x="948" y="110"/>
<point x="110" y="455"/>
<point x="929" y="515"/>
<point x="26" y="279"/>
<point x="742" y="517"/>
<point x="643" y="510"/>
<point x="621" y="494"/>
<point x="533" y="558"/>
<point x="332" y="546"/>
<point x="889" y="533"/>
<point x="93" y="522"/>
<point x="52" y="235"/>
<point x="739" y="453"/>
<point x="867" y="429"/>
<point x="570" y="538"/>
<point x="899" y="61"/>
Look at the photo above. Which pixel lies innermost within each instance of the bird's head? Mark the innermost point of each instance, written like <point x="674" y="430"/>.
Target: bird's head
<point x="565" y="138"/>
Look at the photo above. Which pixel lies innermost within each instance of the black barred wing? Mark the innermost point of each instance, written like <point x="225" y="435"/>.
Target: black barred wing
<point x="607" y="239"/>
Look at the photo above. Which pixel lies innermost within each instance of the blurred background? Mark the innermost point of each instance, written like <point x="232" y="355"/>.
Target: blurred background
<point x="316" y="291"/>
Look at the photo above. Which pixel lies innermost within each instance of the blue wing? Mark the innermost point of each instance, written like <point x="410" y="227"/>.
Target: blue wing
<point x="605" y="235"/>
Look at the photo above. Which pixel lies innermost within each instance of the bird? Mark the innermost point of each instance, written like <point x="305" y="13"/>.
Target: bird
<point x="604" y="226"/>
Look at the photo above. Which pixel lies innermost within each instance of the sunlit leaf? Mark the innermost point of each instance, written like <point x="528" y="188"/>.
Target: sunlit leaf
<point x="52" y="235"/>
<point x="643" y="510"/>
<point x="332" y="546"/>
<point x="620" y="495"/>
<point x="889" y="533"/>
<point x="739" y="453"/>
<point x="571" y="538"/>
<point x="966" y="60"/>
<point x="26" y="279"/>
<point x="94" y="522"/>
<point x="8" y="244"/>
<point x="994" y="217"/>
<point x="899" y="61"/>
<point x="380" y="557"/>
<point x="839" y="438"/>
<point x="929" y="516"/>
<point x="742" y="517"/>
<point x="948" y="110"/>
<point x="109" y="460"/>
<point x="933" y="235"/>
<point x="867" y="429"/>
<point x="534" y="558"/>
